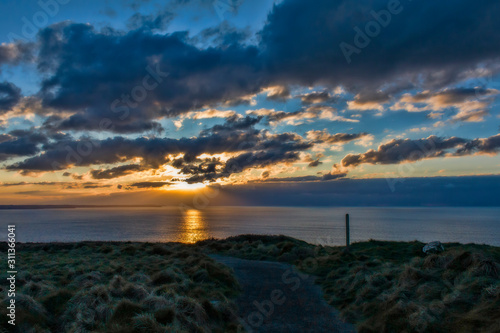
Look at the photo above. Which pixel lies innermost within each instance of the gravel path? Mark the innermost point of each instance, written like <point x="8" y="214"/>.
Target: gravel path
<point x="278" y="298"/>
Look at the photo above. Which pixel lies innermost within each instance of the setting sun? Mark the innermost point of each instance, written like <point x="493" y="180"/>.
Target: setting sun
<point x="187" y="187"/>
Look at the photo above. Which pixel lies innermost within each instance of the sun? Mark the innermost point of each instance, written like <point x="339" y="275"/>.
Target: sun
<point x="187" y="187"/>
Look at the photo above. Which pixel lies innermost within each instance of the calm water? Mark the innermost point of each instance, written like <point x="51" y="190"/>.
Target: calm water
<point x="315" y="225"/>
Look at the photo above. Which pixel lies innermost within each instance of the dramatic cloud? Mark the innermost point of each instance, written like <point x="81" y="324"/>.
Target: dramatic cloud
<point x="21" y="143"/>
<point x="10" y="95"/>
<point x="369" y="101"/>
<point x="116" y="172"/>
<point x="103" y="100"/>
<point x="402" y="48"/>
<point x="137" y="77"/>
<point x="124" y="82"/>
<point x="406" y="150"/>
<point x="490" y="146"/>
<point x="316" y="97"/>
<point x="149" y="184"/>
<point x="256" y="148"/>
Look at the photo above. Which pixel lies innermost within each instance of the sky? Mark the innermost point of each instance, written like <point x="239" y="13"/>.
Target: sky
<point x="370" y="102"/>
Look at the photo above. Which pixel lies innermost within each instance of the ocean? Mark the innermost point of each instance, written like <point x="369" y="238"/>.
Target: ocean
<point x="316" y="225"/>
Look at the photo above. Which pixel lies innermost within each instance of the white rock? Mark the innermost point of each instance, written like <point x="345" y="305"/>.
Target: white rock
<point x="433" y="247"/>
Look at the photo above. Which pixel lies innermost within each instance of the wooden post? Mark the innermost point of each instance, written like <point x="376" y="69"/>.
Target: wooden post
<point x="347" y="238"/>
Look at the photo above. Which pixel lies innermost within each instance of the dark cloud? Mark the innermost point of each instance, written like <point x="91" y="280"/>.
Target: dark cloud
<point x="32" y="183"/>
<point x="489" y="145"/>
<point x="91" y="185"/>
<point x="116" y="172"/>
<point x="316" y="97"/>
<point x="128" y="81"/>
<point x="261" y="159"/>
<point x="103" y="75"/>
<point x="257" y="148"/>
<point x="134" y="78"/>
<point x="10" y="95"/>
<point x="149" y="184"/>
<point x="21" y="143"/>
<point x="315" y="163"/>
<point x="334" y="175"/>
<point x="404" y="50"/>
<point x="407" y="150"/>
<point x="234" y="123"/>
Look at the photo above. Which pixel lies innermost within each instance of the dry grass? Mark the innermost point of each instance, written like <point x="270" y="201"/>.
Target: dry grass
<point x="120" y="287"/>
<point x="392" y="286"/>
<point x="144" y="287"/>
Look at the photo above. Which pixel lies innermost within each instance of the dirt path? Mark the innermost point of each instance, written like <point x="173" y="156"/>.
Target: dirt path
<point x="278" y="298"/>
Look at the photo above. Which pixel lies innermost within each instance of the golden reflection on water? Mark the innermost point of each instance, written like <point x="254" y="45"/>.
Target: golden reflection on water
<point x="193" y="226"/>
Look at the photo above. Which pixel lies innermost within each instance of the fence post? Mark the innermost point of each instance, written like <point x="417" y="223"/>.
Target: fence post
<point x="347" y="236"/>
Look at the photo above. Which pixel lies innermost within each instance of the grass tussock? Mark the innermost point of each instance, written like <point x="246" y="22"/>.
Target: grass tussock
<point x="120" y="287"/>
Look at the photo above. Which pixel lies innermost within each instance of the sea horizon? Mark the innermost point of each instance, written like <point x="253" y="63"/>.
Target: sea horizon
<point x="316" y="225"/>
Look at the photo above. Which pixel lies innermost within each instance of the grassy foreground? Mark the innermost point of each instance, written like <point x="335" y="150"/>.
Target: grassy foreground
<point x="120" y="287"/>
<point x="392" y="286"/>
<point x="144" y="287"/>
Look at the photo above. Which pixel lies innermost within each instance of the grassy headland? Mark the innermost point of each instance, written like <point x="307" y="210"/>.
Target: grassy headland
<point x="143" y="287"/>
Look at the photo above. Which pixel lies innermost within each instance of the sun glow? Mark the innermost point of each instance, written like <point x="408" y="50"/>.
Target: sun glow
<point x="187" y="187"/>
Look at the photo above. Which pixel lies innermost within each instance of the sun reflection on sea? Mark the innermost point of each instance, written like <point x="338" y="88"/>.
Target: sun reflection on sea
<point x="193" y="226"/>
